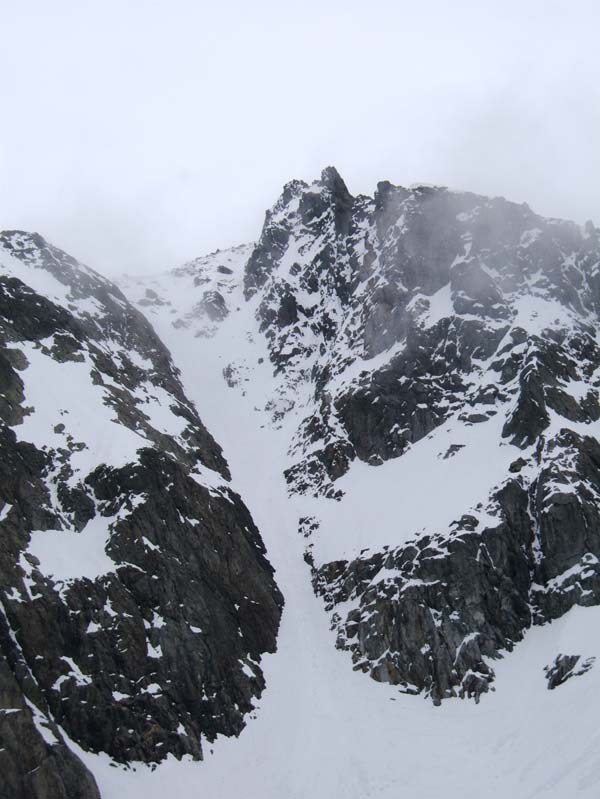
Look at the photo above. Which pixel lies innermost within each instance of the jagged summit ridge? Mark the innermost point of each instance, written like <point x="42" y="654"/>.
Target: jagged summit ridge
<point x="400" y="262"/>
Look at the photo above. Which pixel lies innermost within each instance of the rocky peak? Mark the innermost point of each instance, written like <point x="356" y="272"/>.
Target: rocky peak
<point x="394" y="319"/>
<point x="341" y="199"/>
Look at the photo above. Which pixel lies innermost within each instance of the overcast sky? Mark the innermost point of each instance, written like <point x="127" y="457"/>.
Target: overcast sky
<point x="137" y="135"/>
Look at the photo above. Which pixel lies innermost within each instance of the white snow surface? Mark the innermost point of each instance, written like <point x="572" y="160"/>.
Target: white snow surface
<point x="64" y="392"/>
<point x="386" y="505"/>
<point x="66" y="555"/>
<point x="322" y="731"/>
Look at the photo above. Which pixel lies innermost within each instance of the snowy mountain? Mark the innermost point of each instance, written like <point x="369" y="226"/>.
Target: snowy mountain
<point x="406" y="388"/>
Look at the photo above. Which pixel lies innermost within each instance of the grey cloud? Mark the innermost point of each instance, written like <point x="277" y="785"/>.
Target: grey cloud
<point x="136" y="135"/>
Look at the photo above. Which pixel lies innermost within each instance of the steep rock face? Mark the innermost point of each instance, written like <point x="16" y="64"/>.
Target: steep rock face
<point x="35" y="759"/>
<point x="137" y="599"/>
<point x="391" y="319"/>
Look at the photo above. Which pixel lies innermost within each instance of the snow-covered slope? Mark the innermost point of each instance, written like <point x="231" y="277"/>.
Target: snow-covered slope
<point x="406" y="387"/>
<point x="411" y="383"/>
<point x="197" y="296"/>
<point x="136" y="599"/>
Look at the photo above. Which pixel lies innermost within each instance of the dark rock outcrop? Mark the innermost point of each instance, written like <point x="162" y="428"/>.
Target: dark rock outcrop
<point x="564" y="667"/>
<point x="431" y="614"/>
<point x="148" y="636"/>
